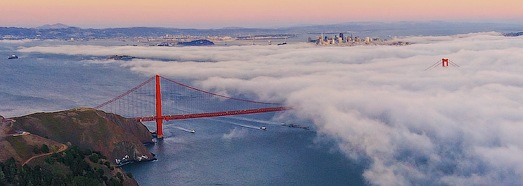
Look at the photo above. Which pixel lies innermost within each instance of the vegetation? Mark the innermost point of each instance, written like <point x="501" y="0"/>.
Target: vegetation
<point x="40" y="150"/>
<point x="21" y="147"/>
<point x="71" y="167"/>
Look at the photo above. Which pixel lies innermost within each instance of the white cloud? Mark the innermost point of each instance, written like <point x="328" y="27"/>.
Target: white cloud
<point x="454" y="126"/>
<point x="18" y="41"/>
<point x="235" y="133"/>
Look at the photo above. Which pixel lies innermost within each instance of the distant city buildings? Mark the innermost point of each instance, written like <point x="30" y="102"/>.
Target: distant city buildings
<point x="341" y="40"/>
<point x="180" y="37"/>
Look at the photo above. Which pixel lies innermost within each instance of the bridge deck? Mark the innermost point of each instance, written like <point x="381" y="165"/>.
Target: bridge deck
<point x="213" y="114"/>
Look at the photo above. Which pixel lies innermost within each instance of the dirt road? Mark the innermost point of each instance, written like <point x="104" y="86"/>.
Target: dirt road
<point x="62" y="148"/>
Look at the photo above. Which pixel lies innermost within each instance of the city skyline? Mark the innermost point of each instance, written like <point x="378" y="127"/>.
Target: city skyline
<point x="255" y="13"/>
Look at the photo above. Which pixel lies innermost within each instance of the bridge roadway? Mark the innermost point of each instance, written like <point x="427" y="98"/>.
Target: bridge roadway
<point x="213" y="114"/>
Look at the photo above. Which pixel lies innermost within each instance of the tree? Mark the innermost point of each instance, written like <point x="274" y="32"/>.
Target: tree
<point x="36" y="150"/>
<point x="130" y="175"/>
<point x="10" y="170"/>
<point x="107" y="164"/>
<point x="50" y="160"/>
<point x="120" y="176"/>
<point x="100" y="172"/>
<point x="114" y="182"/>
<point x="94" y="157"/>
<point x="81" y="181"/>
<point x="2" y="177"/>
<point x="45" y="148"/>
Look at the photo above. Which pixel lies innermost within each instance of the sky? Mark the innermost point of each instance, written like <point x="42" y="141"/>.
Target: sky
<point x="409" y="126"/>
<point x="252" y="13"/>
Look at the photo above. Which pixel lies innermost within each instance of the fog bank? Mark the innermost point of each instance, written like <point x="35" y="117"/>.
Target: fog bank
<point x="444" y="126"/>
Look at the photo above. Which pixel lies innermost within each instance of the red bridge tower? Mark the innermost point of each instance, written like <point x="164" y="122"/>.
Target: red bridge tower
<point x="159" y="117"/>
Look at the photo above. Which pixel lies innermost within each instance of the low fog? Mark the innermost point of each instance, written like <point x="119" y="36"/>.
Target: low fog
<point x="409" y="126"/>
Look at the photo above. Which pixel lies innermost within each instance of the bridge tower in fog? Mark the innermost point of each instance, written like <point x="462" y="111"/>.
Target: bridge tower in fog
<point x="445" y="62"/>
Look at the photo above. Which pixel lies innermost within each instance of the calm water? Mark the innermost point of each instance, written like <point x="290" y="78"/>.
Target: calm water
<point x="220" y="153"/>
<point x="278" y="156"/>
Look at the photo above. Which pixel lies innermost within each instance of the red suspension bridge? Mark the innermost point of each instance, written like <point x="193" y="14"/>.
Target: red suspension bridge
<point x="180" y="101"/>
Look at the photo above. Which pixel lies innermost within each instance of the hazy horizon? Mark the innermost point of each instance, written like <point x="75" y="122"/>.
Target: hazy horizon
<point x="281" y="27"/>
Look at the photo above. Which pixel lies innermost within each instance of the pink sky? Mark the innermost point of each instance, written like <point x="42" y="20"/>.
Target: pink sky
<point x="248" y="13"/>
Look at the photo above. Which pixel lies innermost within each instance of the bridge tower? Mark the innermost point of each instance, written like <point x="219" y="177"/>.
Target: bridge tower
<point x="445" y="62"/>
<point x="159" y="118"/>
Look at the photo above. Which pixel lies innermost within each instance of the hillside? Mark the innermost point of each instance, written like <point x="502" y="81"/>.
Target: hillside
<point x="23" y="147"/>
<point x="64" y="155"/>
<point x="89" y="129"/>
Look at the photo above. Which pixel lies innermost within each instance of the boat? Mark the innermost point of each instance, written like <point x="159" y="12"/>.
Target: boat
<point x="153" y="133"/>
<point x="296" y="126"/>
<point x="122" y="58"/>
<point x="284" y="43"/>
<point x="13" y="57"/>
<point x="263" y="128"/>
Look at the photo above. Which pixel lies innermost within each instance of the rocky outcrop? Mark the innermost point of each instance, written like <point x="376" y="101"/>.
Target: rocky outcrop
<point x="112" y="135"/>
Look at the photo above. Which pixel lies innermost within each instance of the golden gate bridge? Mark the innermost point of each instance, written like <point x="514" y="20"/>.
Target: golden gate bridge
<point x="150" y="101"/>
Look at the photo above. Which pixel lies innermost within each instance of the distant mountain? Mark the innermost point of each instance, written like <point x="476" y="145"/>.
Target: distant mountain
<point x="407" y="28"/>
<point x="53" y="26"/>
<point x="60" y="32"/>
<point x="372" y="29"/>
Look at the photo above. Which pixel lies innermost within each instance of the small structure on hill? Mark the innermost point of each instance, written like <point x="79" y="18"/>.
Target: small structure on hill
<point x="6" y="121"/>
